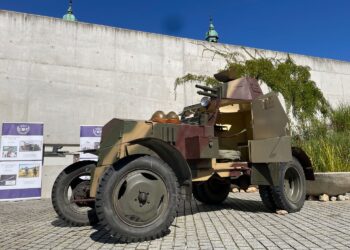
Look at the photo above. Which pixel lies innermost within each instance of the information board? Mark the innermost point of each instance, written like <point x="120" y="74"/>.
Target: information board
<point x="21" y="141"/>
<point x="21" y="152"/>
<point x="20" y="180"/>
<point x="90" y="137"/>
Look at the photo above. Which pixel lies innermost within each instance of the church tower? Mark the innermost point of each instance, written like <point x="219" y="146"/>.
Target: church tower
<point x="212" y="35"/>
<point x="69" y="16"/>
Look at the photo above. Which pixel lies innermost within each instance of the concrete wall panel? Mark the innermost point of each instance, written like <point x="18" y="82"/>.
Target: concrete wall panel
<point x="69" y="73"/>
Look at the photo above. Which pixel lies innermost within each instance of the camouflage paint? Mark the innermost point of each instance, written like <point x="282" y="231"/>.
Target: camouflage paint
<point x="196" y="146"/>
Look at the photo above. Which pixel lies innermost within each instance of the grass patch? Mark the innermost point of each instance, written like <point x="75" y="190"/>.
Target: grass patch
<point x="328" y="144"/>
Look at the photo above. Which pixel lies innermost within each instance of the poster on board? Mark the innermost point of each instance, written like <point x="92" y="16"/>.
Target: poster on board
<point x="90" y="137"/>
<point x="21" y="152"/>
<point x="20" y="180"/>
<point x="21" y="141"/>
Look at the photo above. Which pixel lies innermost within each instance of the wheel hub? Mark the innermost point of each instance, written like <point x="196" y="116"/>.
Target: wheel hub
<point x="81" y="194"/>
<point x="140" y="198"/>
<point x="292" y="185"/>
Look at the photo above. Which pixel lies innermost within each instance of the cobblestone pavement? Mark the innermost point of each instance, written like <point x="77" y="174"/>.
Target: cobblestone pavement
<point x="240" y="223"/>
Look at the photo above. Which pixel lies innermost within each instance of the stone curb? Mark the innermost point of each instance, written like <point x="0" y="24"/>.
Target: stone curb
<point x="331" y="183"/>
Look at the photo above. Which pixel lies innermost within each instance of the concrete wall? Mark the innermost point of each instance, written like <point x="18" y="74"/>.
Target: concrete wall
<point x="50" y="173"/>
<point x="66" y="74"/>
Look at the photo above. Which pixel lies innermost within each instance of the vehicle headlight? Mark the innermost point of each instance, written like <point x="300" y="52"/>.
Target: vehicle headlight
<point x="205" y="101"/>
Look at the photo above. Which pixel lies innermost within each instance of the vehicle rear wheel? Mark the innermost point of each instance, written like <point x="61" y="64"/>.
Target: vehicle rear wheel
<point x="290" y="194"/>
<point x="71" y="195"/>
<point x="195" y="191"/>
<point x="212" y="191"/>
<point x="138" y="200"/>
<point x="266" y="197"/>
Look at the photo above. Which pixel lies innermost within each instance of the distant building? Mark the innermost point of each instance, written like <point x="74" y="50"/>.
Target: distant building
<point x="212" y="35"/>
<point x="69" y="16"/>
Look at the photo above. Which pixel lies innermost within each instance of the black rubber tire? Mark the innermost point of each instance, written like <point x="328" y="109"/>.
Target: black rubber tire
<point x="267" y="198"/>
<point x="211" y="192"/>
<point x="107" y="212"/>
<point x="69" y="212"/>
<point x="296" y="177"/>
<point x="196" y="192"/>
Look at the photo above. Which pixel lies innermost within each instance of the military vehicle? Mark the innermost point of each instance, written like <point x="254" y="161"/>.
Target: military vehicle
<point x="235" y="135"/>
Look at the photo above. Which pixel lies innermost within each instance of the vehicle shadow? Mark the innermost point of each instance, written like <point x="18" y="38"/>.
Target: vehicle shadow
<point x="185" y="209"/>
<point x="191" y="208"/>
<point x="59" y="223"/>
<point x="101" y="235"/>
<point x="243" y="205"/>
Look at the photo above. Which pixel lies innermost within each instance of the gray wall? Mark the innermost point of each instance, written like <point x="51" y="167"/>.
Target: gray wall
<point x="66" y="74"/>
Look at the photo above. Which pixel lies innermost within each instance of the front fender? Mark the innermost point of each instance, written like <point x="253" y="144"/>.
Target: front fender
<point x="173" y="158"/>
<point x="305" y="162"/>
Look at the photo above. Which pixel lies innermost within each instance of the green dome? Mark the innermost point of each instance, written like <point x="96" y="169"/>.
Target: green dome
<point x="212" y="35"/>
<point x="69" y="16"/>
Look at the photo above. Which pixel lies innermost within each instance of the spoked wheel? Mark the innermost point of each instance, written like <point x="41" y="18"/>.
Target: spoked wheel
<point x="290" y="194"/>
<point x="213" y="191"/>
<point x="71" y="195"/>
<point x="138" y="200"/>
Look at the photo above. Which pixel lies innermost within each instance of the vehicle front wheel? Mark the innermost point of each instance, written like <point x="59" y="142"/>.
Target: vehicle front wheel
<point x="290" y="192"/>
<point x="138" y="201"/>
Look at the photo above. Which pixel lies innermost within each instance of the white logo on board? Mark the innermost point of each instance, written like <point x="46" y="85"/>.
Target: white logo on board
<point x="23" y="129"/>
<point x="97" y="131"/>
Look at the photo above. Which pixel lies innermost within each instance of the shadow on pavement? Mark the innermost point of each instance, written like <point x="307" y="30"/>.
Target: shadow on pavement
<point x="193" y="207"/>
<point x="254" y="206"/>
<point x="186" y="208"/>
<point x="59" y="223"/>
<point x="235" y="204"/>
<point x="102" y="236"/>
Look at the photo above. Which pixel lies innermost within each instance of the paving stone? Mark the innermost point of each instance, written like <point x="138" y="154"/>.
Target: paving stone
<point x="241" y="222"/>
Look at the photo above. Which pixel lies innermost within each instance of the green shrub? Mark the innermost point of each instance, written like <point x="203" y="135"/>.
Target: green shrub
<point x="329" y="154"/>
<point x="328" y="145"/>
<point x="341" y="118"/>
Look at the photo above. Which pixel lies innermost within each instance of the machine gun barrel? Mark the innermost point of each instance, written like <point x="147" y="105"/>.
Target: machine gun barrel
<point x="207" y="94"/>
<point x="205" y="88"/>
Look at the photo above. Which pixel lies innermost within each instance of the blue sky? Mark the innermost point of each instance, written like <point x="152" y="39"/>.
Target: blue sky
<point x="311" y="27"/>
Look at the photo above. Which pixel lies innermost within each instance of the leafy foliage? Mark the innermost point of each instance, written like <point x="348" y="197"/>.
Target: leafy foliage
<point x="303" y="98"/>
<point x="322" y="132"/>
<point x="341" y="119"/>
<point x="327" y="143"/>
<point x="207" y="80"/>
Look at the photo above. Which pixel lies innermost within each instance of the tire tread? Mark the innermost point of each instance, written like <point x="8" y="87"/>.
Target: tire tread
<point x="266" y="196"/>
<point x="123" y="237"/>
<point x="56" y="200"/>
<point x="279" y="196"/>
